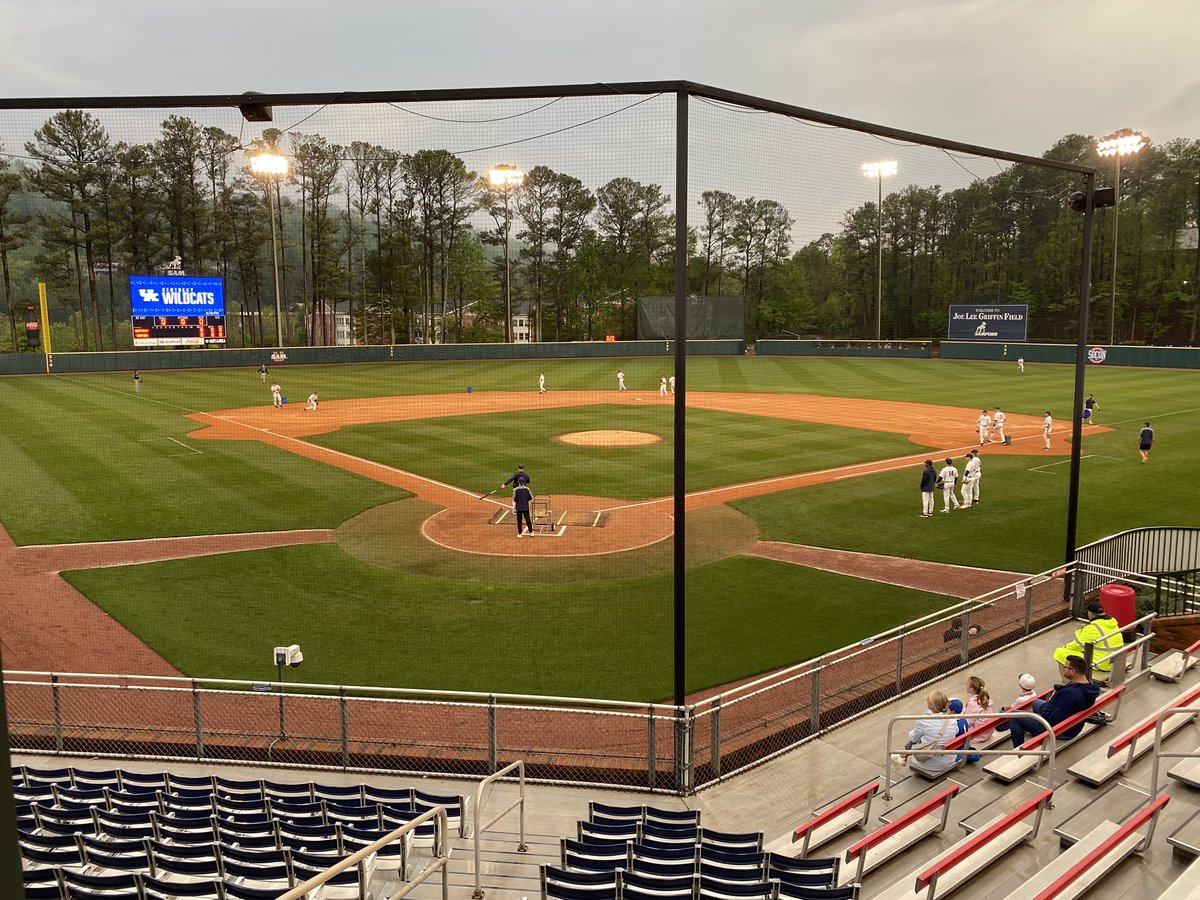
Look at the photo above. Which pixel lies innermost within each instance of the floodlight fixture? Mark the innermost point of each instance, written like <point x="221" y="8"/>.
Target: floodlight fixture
<point x="882" y="169"/>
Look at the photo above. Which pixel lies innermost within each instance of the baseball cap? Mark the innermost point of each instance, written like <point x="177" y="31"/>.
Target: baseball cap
<point x="1095" y="607"/>
<point x="520" y="465"/>
<point x="1027" y="682"/>
<point x="929" y="462"/>
<point x="949" y="461"/>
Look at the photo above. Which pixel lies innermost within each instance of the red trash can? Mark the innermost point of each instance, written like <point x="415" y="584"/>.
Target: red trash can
<point x="1120" y="602"/>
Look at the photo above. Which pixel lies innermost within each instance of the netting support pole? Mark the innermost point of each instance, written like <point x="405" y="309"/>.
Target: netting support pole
<point x="491" y="737"/>
<point x="1081" y="350"/>
<point x="814" y="708"/>
<point x="965" y="647"/>
<point x="344" y="710"/>
<point x="651" y="750"/>
<point x="900" y="664"/>
<point x="716" y="738"/>
<point x="56" y="698"/>
<point x="680" y="411"/>
<point x="197" y="720"/>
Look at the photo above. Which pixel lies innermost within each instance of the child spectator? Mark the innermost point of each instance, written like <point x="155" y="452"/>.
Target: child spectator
<point x="978" y="709"/>
<point x="1028" y="685"/>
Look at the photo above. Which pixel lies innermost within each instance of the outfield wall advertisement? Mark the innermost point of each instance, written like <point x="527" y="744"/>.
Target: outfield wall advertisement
<point x="988" y="323"/>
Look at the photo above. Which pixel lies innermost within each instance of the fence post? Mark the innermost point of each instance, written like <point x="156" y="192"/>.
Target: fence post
<point x="491" y="734"/>
<point x="54" y="693"/>
<point x="343" y="708"/>
<point x="651" y="750"/>
<point x="1028" y="608"/>
<point x="814" y="706"/>
<point x="965" y="641"/>
<point x="716" y="738"/>
<point x="197" y="720"/>
<point x="900" y="664"/>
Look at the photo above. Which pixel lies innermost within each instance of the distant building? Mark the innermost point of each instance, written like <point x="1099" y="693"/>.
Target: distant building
<point x="1186" y="238"/>
<point x="328" y="328"/>
<point x="522" y="323"/>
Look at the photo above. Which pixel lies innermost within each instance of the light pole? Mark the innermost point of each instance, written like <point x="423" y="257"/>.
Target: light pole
<point x="1117" y="146"/>
<point x="506" y="178"/>
<point x="879" y="171"/>
<point x="272" y="167"/>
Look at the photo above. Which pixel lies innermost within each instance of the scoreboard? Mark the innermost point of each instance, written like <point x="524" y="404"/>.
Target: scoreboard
<point x="178" y="331"/>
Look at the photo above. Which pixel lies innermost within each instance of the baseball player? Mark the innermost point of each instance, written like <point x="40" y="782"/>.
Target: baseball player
<point x="1089" y="410"/>
<point x="948" y="478"/>
<point x="662" y="387"/>
<point x="928" y="482"/>
<point x="276" y="397"/>
<point x="262" y="373"/>
<point x="1145" y="439"/>
<point x="985" y="427"/>
<point x="998" y="424"/>
<point x="1020" y="364"/>
<point x="968" y="488"/>
<point x="975" y="469"/>
<point x="620" y="380"/>
<point x="541" y="382"/>
<point x="522" y="496"/>
<point x="312" y="402"/>
<point x="518" y="477"/>
<point x="1047" y="428"/>
<point x="137" y="382"/>
<point x="671" y="383"/>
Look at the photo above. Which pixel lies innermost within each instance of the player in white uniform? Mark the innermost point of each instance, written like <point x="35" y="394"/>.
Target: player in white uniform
<point x="1047" y="428"/>
<point x="620" y="380"/>
<point x="1020" y="364"/>
<point x="998" y="423"/>
<point x="312" y="402"/>
<point x="985" y="425"/>
<point x="662" y="387"/>
<point x="968" y="483"/>
<point x="276" y="398"/>
<point x="671" y="383"/>
<point x="975" y="467"/>
<point x="541" y="382"/>
<point x="948" y="478"/>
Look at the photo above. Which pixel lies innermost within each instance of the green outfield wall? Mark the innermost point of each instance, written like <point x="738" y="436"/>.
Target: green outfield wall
<point x="901" y="349"/>
<point x="69" y="363"/>
<point x="1154" y="357"/>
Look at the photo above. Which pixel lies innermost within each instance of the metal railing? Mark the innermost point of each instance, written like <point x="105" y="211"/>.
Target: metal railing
<point x="479" y="827"/>
<point x="1160" y="550"/>
<point x="439" y="863"/>
<point x="1159" y="753"/>
<point x="656" y="748"/>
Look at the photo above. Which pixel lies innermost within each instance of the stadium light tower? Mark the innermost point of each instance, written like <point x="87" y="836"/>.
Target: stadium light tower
<point x="272" y="167"/>
<point x="1116" y="146"/>
<point x="506" y="178"/>
<point x="879" y="171"/>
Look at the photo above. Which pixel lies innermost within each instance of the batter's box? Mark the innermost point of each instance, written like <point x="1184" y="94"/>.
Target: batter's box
<point x="584" y="519"/>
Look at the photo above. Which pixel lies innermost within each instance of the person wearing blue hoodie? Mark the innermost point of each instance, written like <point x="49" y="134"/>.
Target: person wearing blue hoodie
<point x="1076" y="694"/>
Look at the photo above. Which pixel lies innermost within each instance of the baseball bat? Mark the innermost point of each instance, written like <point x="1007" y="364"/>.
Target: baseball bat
<point x="489" y="493"/>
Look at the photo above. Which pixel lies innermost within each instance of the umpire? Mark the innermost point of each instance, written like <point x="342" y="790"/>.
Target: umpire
<point x="518" y="478"/>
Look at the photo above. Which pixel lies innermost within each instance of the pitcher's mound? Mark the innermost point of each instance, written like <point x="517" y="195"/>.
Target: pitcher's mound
<point x="609" y="438"/>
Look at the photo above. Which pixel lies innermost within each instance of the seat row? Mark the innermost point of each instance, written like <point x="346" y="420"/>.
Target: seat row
<point x="565" y="884"/>
<point x="67" y="884"/>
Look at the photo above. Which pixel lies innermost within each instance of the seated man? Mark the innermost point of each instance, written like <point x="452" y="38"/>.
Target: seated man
<point x="1104" y="632"/>
<point x="1076" y="695"/>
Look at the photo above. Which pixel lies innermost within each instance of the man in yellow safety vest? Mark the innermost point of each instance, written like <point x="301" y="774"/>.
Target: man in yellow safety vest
<point x="1104" y="632"/>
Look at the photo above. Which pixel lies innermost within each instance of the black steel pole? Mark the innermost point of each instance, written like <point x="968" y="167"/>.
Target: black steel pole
<point x="282" y="729"/>
<point x="680" y="417"/>
<point x="1081" y="351"/>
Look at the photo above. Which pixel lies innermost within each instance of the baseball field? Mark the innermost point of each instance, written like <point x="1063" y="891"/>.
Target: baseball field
<point x="191" y="527"/>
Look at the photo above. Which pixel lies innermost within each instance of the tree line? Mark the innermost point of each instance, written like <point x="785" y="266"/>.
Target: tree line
<point x="409" y="244"/>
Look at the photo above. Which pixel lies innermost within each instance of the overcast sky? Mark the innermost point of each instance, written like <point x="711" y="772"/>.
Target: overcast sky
<point x="1014" y="74"/>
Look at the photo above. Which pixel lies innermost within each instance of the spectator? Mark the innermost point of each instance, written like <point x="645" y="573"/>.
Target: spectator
<point x="927" y="736"/>
<point x="978" y="706"/>
<point x="1076" y="694"/>
<point x="1104" y="633"/>
<point x="1028" y="685"/>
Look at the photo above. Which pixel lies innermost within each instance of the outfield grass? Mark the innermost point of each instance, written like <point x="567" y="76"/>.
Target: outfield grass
<point x="362" y="625"/>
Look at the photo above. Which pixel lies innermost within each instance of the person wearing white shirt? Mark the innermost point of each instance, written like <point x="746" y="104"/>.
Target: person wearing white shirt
<point x="998" y="423"/>
<point x="541" y="382"/>
<point x="948" y="478"/>
<point x="671" y="384"/>
<point x="312" y="402"/>
<point x="1020" y="364"/>
<point x="276" y="395"/>
<point x="1047" y="428"/>
<point x="985" y="426"/>
<point x="620" y="380"/>
<point x="975" y="471"/>
<point x="662" y="387"/>
<point x="967" y="487"/>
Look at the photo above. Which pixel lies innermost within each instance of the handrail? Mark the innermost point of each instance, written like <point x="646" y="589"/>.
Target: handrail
<point x="867" y="792"/>
<point x="441" y="850"/>
<point x="1159" y="755"/>
<point x="990" y="724"/>
<point x="1071" y="721"/>
<point x="1147" y="724"/>
<point x="1105" y="847"/>
<point x="929" y="877"/>
<point x="478" y="829"/>
<point x="860" y="849"/>
<point x="1018" y="751"/>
